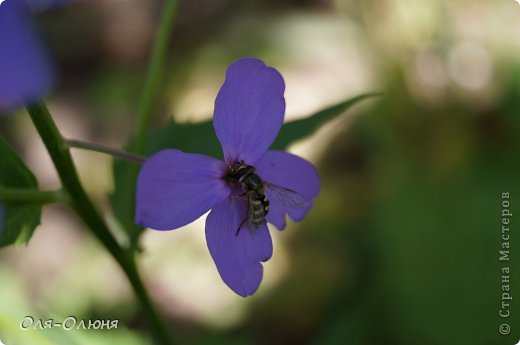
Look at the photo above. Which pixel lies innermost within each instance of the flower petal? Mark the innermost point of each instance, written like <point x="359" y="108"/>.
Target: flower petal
<point x="237" y="257"/>
<point x="249" y="110"/>
<point x="292" y="172"/>
<point x="175" y="188"/>
<point x="276" y="215"/>
<point x="24" y="65"/>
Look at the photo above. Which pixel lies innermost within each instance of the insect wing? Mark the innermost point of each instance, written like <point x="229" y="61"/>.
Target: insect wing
<point x="287" y="197"/>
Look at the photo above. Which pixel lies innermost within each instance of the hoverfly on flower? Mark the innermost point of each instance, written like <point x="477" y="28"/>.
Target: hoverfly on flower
<point x="250" y="188"/>
<point x="254" y="190"/>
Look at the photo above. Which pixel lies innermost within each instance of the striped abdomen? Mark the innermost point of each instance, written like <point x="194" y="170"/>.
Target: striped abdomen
<point x="258" y="209"/>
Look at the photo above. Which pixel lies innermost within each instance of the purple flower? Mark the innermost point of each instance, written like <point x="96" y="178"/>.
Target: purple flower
<point x="25" y="69"/>
<point x="175" y="188"/>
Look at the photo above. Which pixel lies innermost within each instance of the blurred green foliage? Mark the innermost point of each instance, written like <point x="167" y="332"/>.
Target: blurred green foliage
<point x="19" y="219"/>
<point x="402" y="244"/>
<point x="14" y="309"/>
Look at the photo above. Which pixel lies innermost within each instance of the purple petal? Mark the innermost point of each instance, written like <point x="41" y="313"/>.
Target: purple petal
<point x="277" y="211"/>
<point x="292" y="172"/>
<point x="25" y="69"/>
<point x="237" y="257"/>
<point x="175" y="188"/>
<point x="249" y="110"/>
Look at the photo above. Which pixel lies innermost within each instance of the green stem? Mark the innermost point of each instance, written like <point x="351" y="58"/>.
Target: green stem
<point x="155" y="72"/>
<point x="151" y="86"/>
<point x="32" y="195"/>
<point x="60" y="155"/>
<point x="106" y="150"/>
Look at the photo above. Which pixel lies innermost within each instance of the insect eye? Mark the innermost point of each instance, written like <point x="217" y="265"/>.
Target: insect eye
<point x="241" y="172"/>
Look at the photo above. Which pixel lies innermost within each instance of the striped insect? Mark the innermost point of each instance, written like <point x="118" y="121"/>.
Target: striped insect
<point x="258" y="204"/>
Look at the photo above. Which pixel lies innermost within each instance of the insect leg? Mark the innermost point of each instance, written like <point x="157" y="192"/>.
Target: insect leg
<point x="240" y="227"/>
<point x="239" y="196"/>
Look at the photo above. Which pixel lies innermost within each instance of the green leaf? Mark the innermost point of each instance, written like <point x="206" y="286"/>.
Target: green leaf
<point x="188" y="137"/>
<point x="200" y="138"/>
<point x="300" y="129"/>
<point x="17" y="220"/>
<point x="122" y="198"/>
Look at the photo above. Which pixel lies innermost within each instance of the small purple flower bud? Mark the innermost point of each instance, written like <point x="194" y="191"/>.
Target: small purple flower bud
<point x="25" y="68"/>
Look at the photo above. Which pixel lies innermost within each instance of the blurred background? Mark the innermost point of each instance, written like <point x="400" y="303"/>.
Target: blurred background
<point x="402" y="244"/>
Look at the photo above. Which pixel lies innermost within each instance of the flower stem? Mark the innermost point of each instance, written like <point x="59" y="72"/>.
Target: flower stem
<point x="155" y="72"/>
<point x="152" y="82"/>
<point x="81" y="203"/>
<point x="107" y="150"/>
<point x="29" y="195"/>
